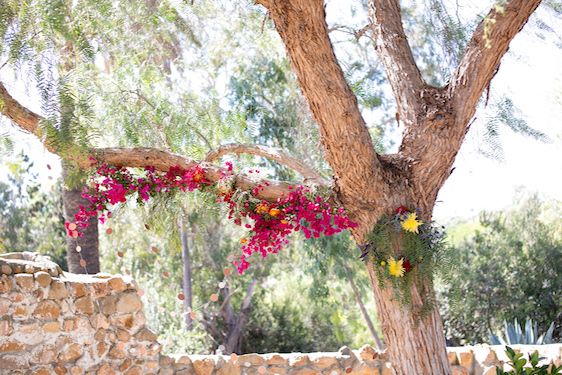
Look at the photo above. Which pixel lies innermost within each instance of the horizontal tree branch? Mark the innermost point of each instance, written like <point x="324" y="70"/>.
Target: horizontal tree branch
<point x="271" y="153"/>
<point x="138" y="157"/>
<point x="23" y="117"/>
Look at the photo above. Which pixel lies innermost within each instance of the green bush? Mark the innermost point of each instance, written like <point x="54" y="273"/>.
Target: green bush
<point x="510" y="268"/>
<point x="517" y="362"/>
<point x="31" y="218"/>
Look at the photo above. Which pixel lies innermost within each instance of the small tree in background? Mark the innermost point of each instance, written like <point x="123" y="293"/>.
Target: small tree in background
<point x="508" y="269"/>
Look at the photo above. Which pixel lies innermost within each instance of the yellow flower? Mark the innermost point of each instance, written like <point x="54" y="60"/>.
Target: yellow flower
<point x="262" y="209"/>
<point x="383" y="263"/>
<point x="411" y="224"/>
<point x="274" y="212"/>
<point x="395" y="267"/>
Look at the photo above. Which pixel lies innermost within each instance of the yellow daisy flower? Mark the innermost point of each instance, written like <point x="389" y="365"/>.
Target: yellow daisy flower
<point x="395" y="267"/>
<point x="411" y="224"/>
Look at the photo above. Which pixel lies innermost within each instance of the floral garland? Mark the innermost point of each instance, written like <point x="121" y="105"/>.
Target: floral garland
<point x="405" y="250"/>
<point x="270" y="223"/>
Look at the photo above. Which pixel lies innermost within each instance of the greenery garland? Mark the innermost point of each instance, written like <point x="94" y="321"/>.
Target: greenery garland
<point x="405" y="252"/>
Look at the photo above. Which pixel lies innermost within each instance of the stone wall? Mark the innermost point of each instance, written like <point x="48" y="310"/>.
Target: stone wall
<point x="59" y="323"/>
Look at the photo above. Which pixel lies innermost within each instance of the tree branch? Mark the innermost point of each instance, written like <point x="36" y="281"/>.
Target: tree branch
<point x="396" y="56"/>
<point x="357" y="33"/>
<point x="346" y="140"/>
<point x="271" y="153"/>
<point x="481" y="59"/>
<point x="23" y="117"/>
<point x="434" y="142"/>
<point x="140" y="157"/>
<point x="129" y="157"/>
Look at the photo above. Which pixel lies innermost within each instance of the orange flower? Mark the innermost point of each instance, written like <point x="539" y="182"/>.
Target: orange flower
<point x="274" y="212"/>
<point x="262" y="209"/>
<point x="197" y="176"/>
<point x="243" y="241"/>
<point x="284" y="222"/>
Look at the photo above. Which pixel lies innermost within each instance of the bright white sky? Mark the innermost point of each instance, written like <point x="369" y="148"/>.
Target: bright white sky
<point x="530" y="75"/>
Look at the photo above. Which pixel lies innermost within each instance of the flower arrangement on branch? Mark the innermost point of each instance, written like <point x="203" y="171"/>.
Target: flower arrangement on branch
<point x="404" y="250"/>
<point x="269" y="223"/>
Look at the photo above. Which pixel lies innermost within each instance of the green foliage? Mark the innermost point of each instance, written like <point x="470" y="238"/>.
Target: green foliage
<point x="285" y="327"/>
<point x="438" y="38"/>
<point x="529" y="335"/>
<point x="508" y="269"/>
<point x="423" y="252"/>
<point x="506" y="115"/>
<point x="518" y="364"/>
<point x="31" y="219"/>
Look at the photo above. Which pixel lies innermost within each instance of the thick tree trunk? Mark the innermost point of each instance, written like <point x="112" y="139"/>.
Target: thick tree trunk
<point x="186" y="280"/>
<point x="415" y="346"/>
<point x="436" y="119"/>
<point x="89" y="242"/>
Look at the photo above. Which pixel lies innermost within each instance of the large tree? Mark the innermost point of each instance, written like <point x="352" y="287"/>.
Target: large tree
<point x="367" y="184"/>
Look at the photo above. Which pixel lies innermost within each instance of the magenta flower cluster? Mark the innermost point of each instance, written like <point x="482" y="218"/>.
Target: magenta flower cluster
<point x="112" y="185"/>
<point x="270" y="223"/>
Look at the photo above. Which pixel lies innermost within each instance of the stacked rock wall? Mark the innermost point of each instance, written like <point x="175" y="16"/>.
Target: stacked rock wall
<point x="55" y="323"/>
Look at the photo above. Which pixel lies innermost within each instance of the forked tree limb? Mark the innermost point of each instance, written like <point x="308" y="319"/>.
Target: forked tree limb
<point x="482" y="56"/>
<point x="447" y="112"/>
<point x="128" y="157"/>
<point x="396" y="56"/>
<point x="271" y="153"/>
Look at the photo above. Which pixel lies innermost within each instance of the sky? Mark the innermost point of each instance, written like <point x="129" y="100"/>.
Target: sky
<point x="530" y="74"/>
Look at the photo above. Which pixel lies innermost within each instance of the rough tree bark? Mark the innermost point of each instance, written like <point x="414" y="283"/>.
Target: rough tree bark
<point x="72" y="194"/>
<point x="89" y="242"/>
<point x="368" y="185"/>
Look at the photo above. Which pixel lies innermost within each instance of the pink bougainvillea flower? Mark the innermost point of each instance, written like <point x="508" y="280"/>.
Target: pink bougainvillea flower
<point x="269" y="224"/>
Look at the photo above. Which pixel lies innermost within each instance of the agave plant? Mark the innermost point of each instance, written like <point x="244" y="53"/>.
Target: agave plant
<point x="528" y="335"/>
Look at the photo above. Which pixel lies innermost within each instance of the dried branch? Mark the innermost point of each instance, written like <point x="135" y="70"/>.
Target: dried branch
<point x="271" y="153"/>
<point x="357" y="33"/>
